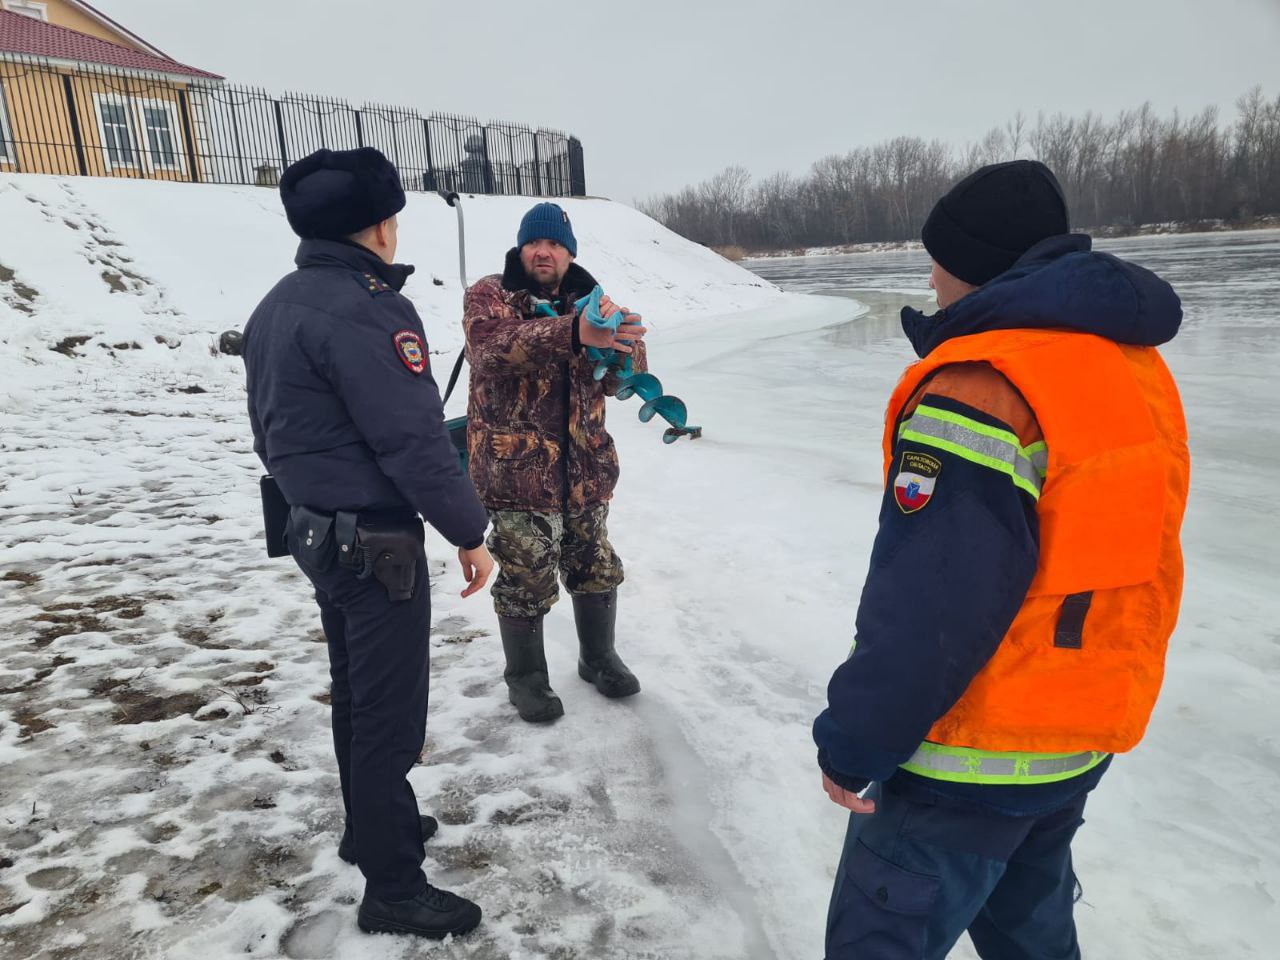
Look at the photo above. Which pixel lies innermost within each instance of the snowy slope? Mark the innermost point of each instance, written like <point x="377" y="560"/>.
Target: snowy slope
<point x="126" y="262"/>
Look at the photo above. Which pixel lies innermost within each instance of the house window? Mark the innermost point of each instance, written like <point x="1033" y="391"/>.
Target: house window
<point x="28" y="8"/>
<point x="117" y="134"/>
<point x="158" y="122"/>
<point x="8" y="149"/>
<point x="139" y="133"/>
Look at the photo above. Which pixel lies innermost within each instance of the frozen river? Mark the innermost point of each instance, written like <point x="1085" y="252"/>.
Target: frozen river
<point x="1225" y="360"/>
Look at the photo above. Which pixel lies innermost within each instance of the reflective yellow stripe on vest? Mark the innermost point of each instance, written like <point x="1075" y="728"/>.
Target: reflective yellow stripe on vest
<point x="965" y="765"/>
<point x="979" y="443"/>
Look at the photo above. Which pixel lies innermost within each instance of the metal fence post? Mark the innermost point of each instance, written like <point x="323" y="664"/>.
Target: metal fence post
<point x="284" y="153"/>
<point x="75" y="125"/>
<point x="577" y="171"/>
<point x="186" y="132"/>
<point x="488" y="167"/>
<point x="241" y="169"/>
<point x="537" y="166"/>
<point x="431" y="166"/>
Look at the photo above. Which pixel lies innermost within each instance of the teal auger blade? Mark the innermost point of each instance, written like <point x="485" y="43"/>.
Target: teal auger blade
<point x="643" y="385"/>
<point x="671" y="409"/>
<point x="657" y="404"/>
<point x="609" y="361"/>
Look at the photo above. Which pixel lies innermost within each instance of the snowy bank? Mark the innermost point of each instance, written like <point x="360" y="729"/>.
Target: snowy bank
<point x="151" y="273"/>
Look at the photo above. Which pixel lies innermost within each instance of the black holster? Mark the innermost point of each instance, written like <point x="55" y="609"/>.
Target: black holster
<point x="275" y="517"/>
<point x="389" y="552"/>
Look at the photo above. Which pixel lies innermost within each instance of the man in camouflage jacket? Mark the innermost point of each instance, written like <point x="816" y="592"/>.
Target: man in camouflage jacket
<point x="541" y="459"/>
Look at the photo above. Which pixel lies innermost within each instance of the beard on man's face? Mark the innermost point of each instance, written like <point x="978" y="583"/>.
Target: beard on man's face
<point x="544" y="274"/>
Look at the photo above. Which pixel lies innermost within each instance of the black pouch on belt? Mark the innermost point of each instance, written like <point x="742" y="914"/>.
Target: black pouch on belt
<point x="311" y="532"/>
<point x="390" y="553"/>
<point x="275" y="517"/>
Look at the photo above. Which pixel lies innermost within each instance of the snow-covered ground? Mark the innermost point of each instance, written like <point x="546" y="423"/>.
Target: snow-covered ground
<point x="168" y="786"/>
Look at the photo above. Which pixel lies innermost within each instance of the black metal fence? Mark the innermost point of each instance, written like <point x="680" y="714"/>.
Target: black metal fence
<point x="99" y="121"/>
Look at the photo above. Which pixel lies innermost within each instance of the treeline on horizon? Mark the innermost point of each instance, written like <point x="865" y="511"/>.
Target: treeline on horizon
<point x="1136" y="169"/>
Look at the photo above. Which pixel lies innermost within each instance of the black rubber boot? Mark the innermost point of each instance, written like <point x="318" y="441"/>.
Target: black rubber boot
<point x="526" y="674"/>
<point x="347" y="846"/>
<point x="596" y="615"/>
<point x="433" y="913"/>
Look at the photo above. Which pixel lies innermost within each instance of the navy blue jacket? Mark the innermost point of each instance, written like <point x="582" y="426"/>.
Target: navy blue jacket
<point x="946" y="582"/>
<point x="339" y="417"/>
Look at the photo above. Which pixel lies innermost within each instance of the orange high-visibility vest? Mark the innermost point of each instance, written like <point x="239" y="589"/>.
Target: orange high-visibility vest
<point x="1081" y="666"/>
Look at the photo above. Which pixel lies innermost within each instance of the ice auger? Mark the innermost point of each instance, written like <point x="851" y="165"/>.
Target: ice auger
<point x="644" y="385"/>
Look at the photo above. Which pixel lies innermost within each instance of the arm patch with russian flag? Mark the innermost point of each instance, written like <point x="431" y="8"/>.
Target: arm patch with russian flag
<point x="917" y="475"/>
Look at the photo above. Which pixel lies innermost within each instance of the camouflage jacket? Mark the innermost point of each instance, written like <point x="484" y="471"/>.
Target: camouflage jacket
<point x="536" y="435"/>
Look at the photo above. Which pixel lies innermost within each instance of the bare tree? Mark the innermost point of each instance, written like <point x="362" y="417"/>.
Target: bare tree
<point x="1137" y="168"/>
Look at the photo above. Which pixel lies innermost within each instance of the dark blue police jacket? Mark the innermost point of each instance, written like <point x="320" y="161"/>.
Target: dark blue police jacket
<point x="344" y="410"/>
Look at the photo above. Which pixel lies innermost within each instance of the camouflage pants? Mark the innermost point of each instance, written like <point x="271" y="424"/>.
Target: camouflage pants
<point x="531" y="548"/>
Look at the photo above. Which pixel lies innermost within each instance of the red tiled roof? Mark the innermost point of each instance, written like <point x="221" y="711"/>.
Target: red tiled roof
<point x="27" y="35"/>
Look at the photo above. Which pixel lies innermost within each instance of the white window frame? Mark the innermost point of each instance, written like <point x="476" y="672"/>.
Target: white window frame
<point x="136" y="121"/>
<point x="28" y="8"/>
<point x="104" y="99"/>
<point x="8" y="146"/>
<point x="170" y="109"/>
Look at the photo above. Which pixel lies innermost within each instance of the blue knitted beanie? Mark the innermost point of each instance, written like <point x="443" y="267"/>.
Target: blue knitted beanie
<point x="547" y="221"/>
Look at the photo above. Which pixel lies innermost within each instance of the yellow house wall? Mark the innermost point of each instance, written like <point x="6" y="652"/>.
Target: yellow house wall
<point x="62" y="14"/>
<point x="41" y="125"/>
<point x="38" y="119"/>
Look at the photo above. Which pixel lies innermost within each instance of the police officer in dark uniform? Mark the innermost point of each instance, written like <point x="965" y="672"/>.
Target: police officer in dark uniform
<point x="348" y="420"/>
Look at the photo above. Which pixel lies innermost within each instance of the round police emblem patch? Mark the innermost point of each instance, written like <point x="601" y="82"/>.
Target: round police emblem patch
<point x="411" y="350"/>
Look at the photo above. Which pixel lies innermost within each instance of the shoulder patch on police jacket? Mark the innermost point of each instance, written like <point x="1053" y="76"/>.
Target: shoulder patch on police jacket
<point x="374" y="284"/>
<point x="917" y="476"/>
<point x="411" y="350"/>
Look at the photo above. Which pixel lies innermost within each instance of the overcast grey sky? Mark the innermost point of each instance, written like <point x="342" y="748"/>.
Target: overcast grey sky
<point x="665" y="93"/>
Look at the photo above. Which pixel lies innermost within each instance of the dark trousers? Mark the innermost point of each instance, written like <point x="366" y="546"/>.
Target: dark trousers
<point x="915" y="876"/>
<point x="378" y="661"/>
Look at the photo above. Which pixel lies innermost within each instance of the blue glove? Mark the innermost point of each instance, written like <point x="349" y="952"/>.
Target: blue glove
<point x="589" y="306"/>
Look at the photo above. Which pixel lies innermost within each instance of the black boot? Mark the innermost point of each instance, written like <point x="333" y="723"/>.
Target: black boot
<point x="596" y="615"/>
<point x="347" y="846"/>
<point x="433" y="913"/>
<point x="526" y="673"/>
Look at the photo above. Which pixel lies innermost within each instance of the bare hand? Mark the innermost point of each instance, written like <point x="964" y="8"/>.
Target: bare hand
<point x="608" y="308"/>
<point x="477" y="565"/>
<point x="629" y="333"/>
<point x="842" y="797"/>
